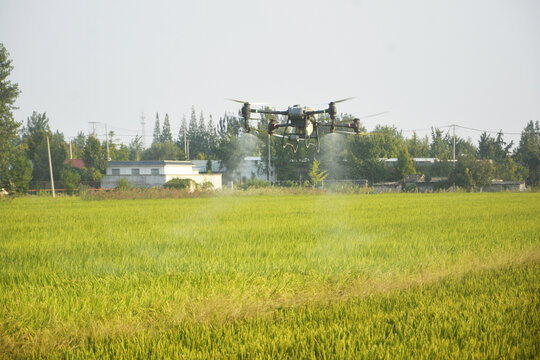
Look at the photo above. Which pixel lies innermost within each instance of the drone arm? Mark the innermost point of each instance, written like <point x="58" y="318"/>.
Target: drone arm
<point x="315" y="112"/>
<point x="274" y="112"/>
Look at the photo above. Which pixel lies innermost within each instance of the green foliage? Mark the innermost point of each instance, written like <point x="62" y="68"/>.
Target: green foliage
<point x="207" y="185"/>
<point x="179" y="184"/>
<point x="271" y="276"/>
<point x="166" y="135"/>
<point x="20" y="174"/>
<point x="94" y="157"/>
<point x="34" y="136"/>
<point x="123" y="185"/>
<point x="441" y="145"/>
<point x="120" y="153"/>
<point x="490" y="148"/>
<point x="163" y="151"/>
<point x="316" y="175"/>
<point x="404" y="165"/>
<point x="528" y="152"/>
<point x="470" y="173"/>
<point x="157" y="131"/>
<point x="70" y="179"/>
<point x="91" y="175"/>
<point x="254" y="184"/>
<point x="136" y="148"/>
<point x="8" y="126"/>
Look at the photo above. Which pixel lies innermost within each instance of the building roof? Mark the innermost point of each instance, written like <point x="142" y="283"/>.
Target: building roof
<point x="150" y="163"/>
<point x="76" y="163"/>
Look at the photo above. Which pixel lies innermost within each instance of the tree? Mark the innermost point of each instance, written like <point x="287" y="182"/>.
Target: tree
<point x="528" y="152"/>
<point x="166" y="134"/>
<point x="70" y="179"/>
<point x="20" y="174"/>
<point x="203" y="136"/>
<point x="34" y="137"/>
<point x="135" y="148"/>
<point x="77" y="145"/>
<point x="211" y="138"/>
<point x="404" y="165"/>
<point x="441" y="144"/>
<point x="417" y="148"/>
<point x="317" y="176"/>
<point x="193" y="134"/>
<point x="93" y="154"/>
<point x="157" y="130"/>
<point x="165" y="151"/>
<point x="8" y="126"/>
<point x="120" y="153"/>
<point x="183" y="130"/>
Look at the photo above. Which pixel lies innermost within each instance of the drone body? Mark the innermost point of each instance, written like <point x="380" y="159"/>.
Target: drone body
<point x="301" y="122"/>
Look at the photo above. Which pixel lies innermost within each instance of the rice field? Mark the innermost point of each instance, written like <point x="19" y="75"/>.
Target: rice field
<point x="270" y="276"/>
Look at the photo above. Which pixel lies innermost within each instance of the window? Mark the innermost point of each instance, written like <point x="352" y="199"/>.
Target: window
<point x="154" y="171"/>
<point x="116" y="171"/>
<point x="135" y="172"/>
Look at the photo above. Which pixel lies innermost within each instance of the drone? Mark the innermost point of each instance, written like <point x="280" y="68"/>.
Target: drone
<point x="301" y="123"/>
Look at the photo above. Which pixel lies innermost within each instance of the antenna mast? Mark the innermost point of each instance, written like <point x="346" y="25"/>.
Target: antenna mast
<point x="143" y="123"/>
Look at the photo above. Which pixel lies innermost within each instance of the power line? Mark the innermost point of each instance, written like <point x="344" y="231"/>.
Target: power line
<point x="487" y="131"/>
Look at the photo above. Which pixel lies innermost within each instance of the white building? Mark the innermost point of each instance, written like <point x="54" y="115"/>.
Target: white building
<point x="154" y="173"/>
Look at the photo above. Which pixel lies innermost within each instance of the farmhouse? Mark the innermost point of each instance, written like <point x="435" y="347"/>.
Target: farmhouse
<point x="149" y="174"/>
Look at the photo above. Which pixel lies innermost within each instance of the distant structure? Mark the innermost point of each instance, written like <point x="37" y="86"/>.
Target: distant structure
<point x="250" y="168"/>
<point x="76" y="163"/>
<point x="147" y="174"/>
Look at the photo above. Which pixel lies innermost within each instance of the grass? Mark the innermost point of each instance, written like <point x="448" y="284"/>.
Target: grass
<point x="226" y="275"/>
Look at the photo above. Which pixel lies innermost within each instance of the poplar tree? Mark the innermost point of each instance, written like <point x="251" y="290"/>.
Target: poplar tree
<point x="166" y="134"/>
<point x="157" y="130"/>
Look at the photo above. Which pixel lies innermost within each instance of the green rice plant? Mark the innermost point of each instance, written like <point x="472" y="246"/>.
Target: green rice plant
<point x="78" y="275"/>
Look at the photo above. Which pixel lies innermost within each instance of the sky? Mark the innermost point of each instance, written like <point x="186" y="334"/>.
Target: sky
<point x="474" y="63"/>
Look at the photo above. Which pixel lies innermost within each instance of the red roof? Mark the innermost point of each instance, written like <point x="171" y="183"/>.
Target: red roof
<point x="78" y="163"/>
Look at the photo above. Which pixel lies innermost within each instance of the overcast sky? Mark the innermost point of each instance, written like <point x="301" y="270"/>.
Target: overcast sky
<point x="430" y="63"/>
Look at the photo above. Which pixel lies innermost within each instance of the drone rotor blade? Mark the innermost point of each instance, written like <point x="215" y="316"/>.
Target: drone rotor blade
<point x="238" y="101"/>
<point x="373" y="115"/>
<point x="342" y="100"/>
<point x="354" y="133"/>
<point x="362" y="117"/>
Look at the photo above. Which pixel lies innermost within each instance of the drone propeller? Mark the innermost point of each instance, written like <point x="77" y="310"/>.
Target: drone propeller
<point x="238" y="101"/>
<point x="355" y="133"/>
<point x="362" y="117"/>
<point x="342" y="100"/>
<point x="246" y="102"/>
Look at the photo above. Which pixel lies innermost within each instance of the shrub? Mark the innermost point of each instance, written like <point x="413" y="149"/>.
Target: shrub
<point x="207" y="185"/>
<point x="70" y="178"/>
<point x="123" y="185"/>
<point x="254" y="184"/>
<point x="178" y="184"/>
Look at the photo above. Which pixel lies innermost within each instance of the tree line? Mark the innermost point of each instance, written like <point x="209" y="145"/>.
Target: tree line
<point x="24" y="156"/>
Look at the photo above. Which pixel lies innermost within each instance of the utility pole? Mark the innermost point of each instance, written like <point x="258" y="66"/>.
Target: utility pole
<point x="454" y="158"/>
<point x="185" y="143"/>
<point x="70" y="151"/>
<point x="268" y="157"/>
<point x="50" y="166"/>
<point x="107" y="142"/>
<point x="93" y="123"/>
<point x="143" y="123"/>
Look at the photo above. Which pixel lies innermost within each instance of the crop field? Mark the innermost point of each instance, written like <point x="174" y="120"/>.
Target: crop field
<point x="272" y="276"/>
